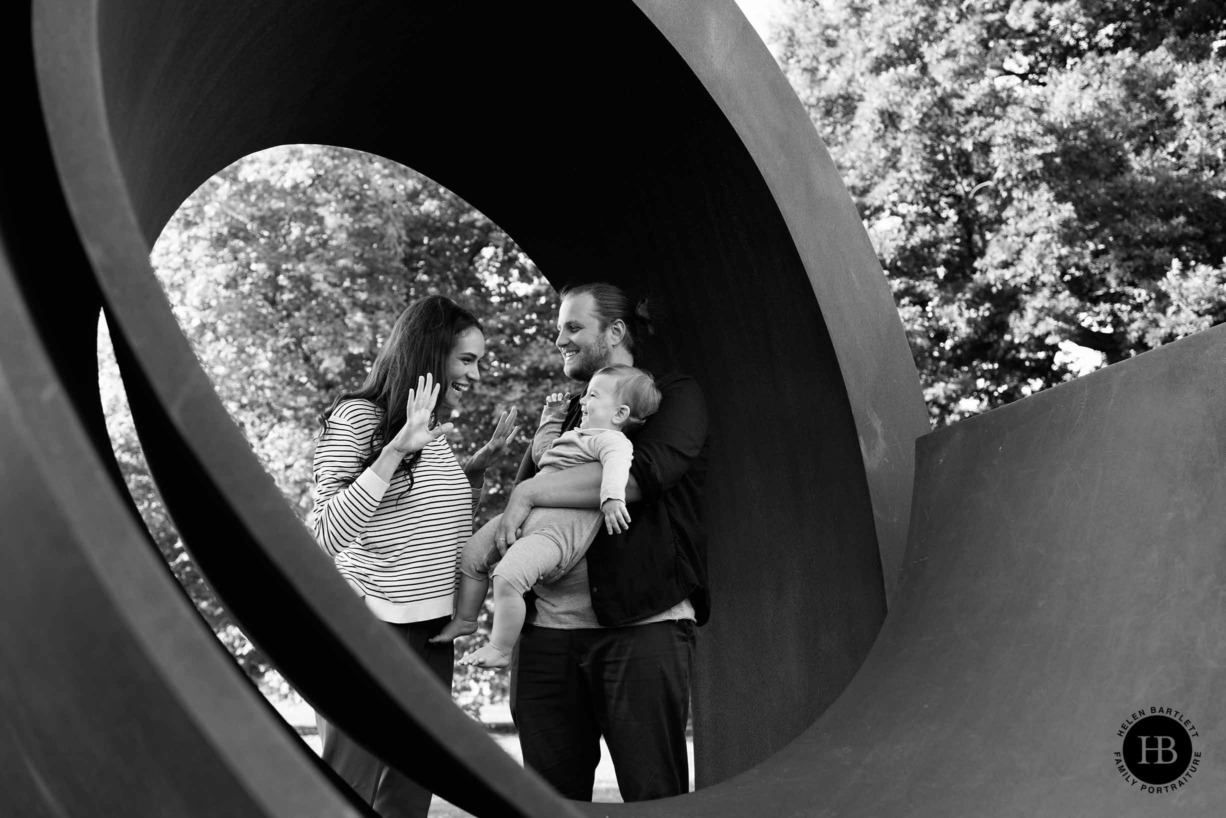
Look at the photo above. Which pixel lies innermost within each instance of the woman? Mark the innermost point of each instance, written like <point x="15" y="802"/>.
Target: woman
<point x="393" y="506"/>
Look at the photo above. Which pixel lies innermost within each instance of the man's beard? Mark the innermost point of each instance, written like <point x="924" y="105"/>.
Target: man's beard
<point x="588" y="360"/>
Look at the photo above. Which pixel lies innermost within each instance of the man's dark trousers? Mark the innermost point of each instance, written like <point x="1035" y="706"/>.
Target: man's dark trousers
<point x="630" y="684"/>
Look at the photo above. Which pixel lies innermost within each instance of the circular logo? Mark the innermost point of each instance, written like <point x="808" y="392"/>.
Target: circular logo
<point x="1157" y="750"/>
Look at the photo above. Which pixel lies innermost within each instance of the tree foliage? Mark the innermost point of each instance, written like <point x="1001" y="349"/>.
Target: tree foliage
<point x="149" y="503"/>
<point x="286" y="272"/>
<point x="1039" y="178"/>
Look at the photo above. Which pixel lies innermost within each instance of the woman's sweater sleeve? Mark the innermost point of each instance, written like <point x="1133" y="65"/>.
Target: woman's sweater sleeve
<point x="344" y="505"/>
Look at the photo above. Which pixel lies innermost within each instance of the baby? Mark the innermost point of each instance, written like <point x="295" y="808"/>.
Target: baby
<point x="618" y="400"/>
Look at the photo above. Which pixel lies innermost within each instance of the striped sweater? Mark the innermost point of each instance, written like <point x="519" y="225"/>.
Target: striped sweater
<point x="398" y="548"/>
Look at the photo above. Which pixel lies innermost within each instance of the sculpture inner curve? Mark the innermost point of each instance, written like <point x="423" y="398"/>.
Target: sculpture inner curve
<point x="651" y="186"/>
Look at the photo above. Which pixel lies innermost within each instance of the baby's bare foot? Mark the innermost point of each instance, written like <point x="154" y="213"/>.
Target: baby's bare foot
<point x="454" y="628"/>
<point x="487" y="656"/>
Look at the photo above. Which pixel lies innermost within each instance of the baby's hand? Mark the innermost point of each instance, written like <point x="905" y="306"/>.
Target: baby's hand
<point x="616" y="516"/>
<point x="555" y="405"/>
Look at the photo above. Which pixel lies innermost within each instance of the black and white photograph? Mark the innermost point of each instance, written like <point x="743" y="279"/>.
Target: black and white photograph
<point x="646" y="408"/>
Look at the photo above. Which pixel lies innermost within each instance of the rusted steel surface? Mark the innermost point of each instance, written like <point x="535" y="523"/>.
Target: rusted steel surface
<point x="1064" y="557"/>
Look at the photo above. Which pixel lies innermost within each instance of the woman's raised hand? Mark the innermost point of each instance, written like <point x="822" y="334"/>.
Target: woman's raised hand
<point x="416" y="432"/>
<point x="504" y="431"/>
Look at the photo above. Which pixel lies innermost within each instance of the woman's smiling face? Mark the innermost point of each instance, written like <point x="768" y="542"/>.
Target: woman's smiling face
<point x="462" y="370"/>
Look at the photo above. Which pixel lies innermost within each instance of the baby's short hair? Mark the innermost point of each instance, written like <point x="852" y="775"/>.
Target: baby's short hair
<point x="637" y="389"/>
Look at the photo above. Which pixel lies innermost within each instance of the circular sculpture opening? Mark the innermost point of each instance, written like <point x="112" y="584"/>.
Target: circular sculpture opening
<point x="661" y="150"/>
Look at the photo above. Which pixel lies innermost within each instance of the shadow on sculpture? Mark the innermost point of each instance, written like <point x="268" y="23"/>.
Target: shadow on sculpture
<point x="1064" y="561"/>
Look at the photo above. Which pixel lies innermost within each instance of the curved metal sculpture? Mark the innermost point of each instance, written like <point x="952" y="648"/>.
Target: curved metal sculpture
<point x="659" y="145"/>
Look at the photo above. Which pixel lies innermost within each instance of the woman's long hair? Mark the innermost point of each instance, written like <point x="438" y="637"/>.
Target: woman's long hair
<point x="420" y="343"/>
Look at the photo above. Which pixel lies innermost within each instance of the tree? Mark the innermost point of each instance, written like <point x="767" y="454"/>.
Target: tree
<point x="1039" y="178"/>
<point x="286" y="271"/>
<point x="157" y="520"/>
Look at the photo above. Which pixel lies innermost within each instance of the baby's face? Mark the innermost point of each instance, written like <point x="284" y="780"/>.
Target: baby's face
<point x="600" y="406"/>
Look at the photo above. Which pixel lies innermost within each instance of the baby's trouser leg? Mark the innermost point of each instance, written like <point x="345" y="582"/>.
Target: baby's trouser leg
<point x="529" y="559"/>
<point x="476" y="559"/>
<point x="509" y="613"/>
<point x="470" y="596"/>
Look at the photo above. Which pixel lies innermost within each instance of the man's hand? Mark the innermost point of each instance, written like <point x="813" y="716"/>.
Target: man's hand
<point x="616" y="516"/>
<point x="519" y="504"/>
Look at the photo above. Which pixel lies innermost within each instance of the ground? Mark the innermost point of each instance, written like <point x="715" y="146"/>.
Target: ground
<point x="497" y="719"/>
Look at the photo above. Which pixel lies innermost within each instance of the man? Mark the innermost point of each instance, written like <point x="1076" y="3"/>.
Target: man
<point x="609" y="648"/>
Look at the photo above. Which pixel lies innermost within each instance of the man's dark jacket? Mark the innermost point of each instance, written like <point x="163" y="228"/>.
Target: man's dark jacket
<point x="662" y="558"/>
